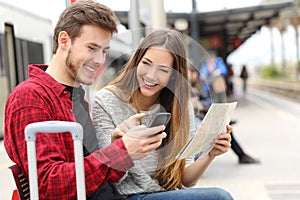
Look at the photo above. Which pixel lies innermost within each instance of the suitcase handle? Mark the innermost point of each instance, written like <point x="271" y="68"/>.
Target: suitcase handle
<point x="55" y="127"/>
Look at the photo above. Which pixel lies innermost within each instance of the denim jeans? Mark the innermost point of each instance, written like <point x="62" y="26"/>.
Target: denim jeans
<point x="186" y="194"/>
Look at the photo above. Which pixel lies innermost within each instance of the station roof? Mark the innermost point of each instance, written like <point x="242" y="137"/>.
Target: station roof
<point x="230" y="24"/>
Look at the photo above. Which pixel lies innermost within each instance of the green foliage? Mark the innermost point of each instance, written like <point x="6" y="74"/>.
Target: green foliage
<point x="270" y="71"/>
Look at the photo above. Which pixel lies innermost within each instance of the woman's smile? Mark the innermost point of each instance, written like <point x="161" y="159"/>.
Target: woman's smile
<point x="148" y="84"/>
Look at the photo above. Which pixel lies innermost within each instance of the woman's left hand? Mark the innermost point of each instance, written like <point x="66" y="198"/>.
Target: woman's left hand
<point x="222" y="144"/>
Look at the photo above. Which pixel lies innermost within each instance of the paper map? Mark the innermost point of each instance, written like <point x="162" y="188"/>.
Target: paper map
<point x="213" y="124"/>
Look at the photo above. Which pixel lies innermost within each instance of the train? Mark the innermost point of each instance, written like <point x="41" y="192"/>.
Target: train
<point x="26" y="38"/>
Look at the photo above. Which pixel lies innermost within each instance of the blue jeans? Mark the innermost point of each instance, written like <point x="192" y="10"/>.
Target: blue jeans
<point x="186" y="194"/>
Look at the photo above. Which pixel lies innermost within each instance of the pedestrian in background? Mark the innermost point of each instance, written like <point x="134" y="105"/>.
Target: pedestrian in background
<point x="197" y="95"/>
<point x="202" y="102"/>
<point x="230" y="81"/>
<point x="244" y="77"/>
<point x="155" y="80"/>
<point x="214" y="71"/>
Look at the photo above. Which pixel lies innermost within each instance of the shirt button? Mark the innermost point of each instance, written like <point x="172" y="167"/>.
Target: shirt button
<point x="65" y="92"/>
<point x="71" y="110"/>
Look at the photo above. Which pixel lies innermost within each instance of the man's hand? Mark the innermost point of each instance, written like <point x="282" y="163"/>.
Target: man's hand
<point x="125" y="126"/>
<point x="139" y="140"/>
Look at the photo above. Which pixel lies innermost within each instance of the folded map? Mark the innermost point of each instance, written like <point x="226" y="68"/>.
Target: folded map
<point x="213" y="124"/>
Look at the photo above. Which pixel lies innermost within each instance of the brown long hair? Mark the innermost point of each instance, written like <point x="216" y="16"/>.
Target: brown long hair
<point x="174" y="98"/>
<point x="84" y="12"/>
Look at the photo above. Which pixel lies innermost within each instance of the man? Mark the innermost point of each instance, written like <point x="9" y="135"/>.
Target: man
<point x="213" y="71"/>
<point x="213" y="68"/>
<point x="80" y="42"/>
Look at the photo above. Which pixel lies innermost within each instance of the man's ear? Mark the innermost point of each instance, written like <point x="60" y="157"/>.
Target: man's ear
<point x="63" y="40"/>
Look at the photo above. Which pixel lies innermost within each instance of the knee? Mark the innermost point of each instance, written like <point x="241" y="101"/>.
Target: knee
<point x="221" y="194"/>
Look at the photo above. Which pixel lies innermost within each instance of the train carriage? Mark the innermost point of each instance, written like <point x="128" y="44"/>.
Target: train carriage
<point x="24" y="38"/>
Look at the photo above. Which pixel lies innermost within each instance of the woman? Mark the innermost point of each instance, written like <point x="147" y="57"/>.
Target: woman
<point x="155" y="80"/>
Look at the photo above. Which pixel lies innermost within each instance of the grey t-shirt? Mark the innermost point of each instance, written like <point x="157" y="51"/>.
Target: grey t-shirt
<point x="107" y="112"/>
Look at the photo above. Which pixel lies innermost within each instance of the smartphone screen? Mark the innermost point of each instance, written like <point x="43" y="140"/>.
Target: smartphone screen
<point x="160" y="119"/>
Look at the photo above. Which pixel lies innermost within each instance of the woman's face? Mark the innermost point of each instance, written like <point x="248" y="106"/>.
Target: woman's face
<point x="154" y="71"/>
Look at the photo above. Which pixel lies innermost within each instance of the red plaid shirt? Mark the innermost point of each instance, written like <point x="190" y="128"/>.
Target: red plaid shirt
<point x="41" y="98"/>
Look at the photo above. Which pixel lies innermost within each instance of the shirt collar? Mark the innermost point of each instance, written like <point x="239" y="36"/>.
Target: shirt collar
<point x="37" y="71"/>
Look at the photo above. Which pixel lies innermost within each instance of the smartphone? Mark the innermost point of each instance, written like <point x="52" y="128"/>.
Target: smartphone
<point x="159" y="119"/>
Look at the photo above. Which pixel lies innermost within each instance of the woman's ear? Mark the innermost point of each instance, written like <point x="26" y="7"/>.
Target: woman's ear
<point x="63" y="40"/>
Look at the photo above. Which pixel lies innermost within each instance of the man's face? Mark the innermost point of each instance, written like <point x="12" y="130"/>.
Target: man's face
<point x="192" y="75"/>
<point x="86" y="54"/>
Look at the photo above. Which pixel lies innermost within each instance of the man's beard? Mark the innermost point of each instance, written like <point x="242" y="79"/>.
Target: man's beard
<point x="71" y="67"/>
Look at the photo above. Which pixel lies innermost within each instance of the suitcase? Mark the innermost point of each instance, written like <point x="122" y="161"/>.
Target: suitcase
<point x="54" y="127"/>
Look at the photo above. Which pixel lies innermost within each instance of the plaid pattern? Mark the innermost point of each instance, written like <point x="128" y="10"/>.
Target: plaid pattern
<point x="41" y="98"/>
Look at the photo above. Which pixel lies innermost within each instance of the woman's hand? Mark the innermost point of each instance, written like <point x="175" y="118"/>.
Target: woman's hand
<point x="222" y="144"/>
<point x="193" y="172"/>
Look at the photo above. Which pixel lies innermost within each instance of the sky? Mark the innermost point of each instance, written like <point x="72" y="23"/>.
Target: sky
<point x="254" y="52"/>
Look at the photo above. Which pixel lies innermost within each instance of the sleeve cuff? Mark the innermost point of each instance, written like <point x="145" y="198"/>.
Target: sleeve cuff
<point x="116" y="156"/>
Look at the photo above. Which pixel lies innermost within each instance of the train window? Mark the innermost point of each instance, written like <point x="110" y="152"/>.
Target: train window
<point x="21" y="56"/>
<point x="28" y="53"/>
<point x="35" y="53"/>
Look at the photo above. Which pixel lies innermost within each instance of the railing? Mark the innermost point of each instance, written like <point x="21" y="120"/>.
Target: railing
<point x="286" y="88"/>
